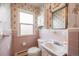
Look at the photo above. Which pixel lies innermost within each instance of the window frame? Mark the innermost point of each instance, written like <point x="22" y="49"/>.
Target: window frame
<point x="26" y="11"/>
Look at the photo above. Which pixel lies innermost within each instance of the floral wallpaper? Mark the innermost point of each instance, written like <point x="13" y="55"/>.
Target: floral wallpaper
<point x="15" y="7"/>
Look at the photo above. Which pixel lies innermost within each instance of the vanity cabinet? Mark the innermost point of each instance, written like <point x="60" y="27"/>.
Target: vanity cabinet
<point x="44" y="52"/>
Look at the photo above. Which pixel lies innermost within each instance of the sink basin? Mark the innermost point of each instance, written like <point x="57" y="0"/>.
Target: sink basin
<point x="55" y="48"/>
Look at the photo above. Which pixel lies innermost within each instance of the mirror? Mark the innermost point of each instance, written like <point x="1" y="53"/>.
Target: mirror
<point x="59" y="17"/>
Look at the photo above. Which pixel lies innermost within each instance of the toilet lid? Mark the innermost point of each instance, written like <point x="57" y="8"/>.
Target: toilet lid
<point x="33" y="50"/>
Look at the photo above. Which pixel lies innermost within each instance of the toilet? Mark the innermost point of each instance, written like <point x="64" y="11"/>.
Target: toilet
<point x="34" y="51"/>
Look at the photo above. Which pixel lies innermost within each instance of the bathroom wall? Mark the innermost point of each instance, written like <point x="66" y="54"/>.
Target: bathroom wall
<point x="5" y="18"/>
<point x="56" y="35"/>
<point x="73" y="46"/>
<point x="48" y="15"/>
<point x="73" y="16"/>
<point x="18" y="41"/>
<point x="73" y="34"/>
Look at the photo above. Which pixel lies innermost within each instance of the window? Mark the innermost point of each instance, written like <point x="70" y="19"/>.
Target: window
<point x="26" y="23"/>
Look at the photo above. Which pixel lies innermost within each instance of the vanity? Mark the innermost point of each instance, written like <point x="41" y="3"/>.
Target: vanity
<point x="53" y="42"/>
<point x="52" y="48"/>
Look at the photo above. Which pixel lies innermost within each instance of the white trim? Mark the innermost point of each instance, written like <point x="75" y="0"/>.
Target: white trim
<point x="29" y="12"/>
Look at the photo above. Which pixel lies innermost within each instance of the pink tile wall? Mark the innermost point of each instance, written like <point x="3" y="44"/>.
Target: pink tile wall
<point x="58" y="35"/>
<point x="73" y="45"/>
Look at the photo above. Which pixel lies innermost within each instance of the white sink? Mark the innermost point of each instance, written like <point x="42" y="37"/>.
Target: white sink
<point x="55" y="49"/>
